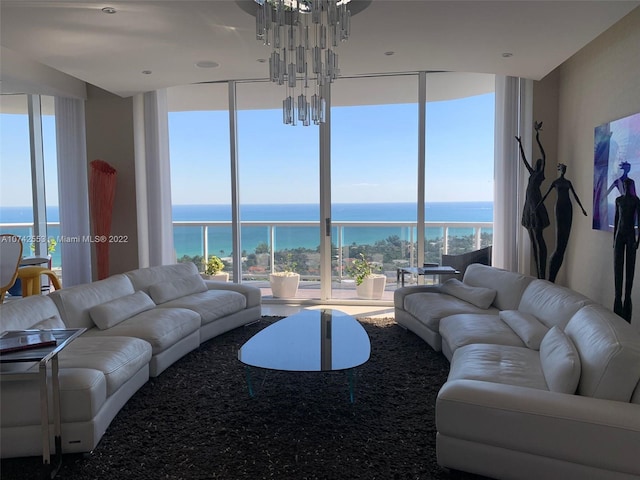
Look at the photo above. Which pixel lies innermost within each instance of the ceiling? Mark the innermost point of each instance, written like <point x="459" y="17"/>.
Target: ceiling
<point x="168" y="38"/>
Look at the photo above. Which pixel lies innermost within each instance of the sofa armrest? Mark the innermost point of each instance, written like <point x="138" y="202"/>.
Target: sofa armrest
<point x="400" y="293"/>
<point x="253" y="294"/>
<point x="600" y="433"/>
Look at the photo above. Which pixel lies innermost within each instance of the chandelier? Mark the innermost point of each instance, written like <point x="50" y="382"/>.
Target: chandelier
<point x="303" y="35"/>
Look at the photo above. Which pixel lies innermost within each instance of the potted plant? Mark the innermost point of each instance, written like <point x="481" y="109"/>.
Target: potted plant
<point x="369" y="285"/>
<point x="52" y="243"/>
<point x="213" y="270"/>
<point x="284" y="284"/>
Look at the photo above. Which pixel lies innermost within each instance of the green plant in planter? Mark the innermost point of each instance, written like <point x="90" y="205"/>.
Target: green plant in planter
<point x="51" y="246"/>
<point x="288" y="265"/>
<point x="361" y="268"/>
<point x="213" y="266"/>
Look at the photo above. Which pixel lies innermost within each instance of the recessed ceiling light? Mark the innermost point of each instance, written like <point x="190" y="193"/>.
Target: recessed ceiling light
<point x="389" y="53"/>
<point x="206" y="64"/>
<point x="147" y="72"/>
<point x="507" y="55"/>
<point x="109" y="10"/>
<point x="261" y="60"/>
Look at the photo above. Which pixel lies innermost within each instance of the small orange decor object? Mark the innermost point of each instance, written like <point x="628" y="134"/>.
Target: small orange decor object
<point x="102" y="188"/>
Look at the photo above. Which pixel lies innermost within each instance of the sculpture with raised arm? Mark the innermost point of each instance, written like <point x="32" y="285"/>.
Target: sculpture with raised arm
<point x="534" y="214"/>
<point x="619" y="182"/>
<point x="564" y="218"/>
<point x="626" y="239"/>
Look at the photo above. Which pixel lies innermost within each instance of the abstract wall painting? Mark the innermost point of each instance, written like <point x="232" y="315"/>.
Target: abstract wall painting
<point x="616" y="157"/>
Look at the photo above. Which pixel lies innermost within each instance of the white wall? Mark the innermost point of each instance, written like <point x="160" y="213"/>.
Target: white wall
<point x="599" y="84"/>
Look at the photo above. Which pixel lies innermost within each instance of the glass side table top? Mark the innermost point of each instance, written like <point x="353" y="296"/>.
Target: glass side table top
<point x="63" y="337"/>
<point x="309" y="341"/>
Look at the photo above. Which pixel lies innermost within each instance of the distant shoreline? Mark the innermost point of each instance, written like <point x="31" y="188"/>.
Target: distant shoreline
<point x="400" y="211"/>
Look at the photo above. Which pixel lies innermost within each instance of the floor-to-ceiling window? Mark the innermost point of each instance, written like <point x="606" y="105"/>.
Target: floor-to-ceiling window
<point x="15" y="166"/>
<point x="374" y="162"/>
<point x="200" y="173"/>
<point x="374" y="177"/>
<point x="17" y="191"/>
<point x="459" y="164"/>
<point x="279" y="193"/>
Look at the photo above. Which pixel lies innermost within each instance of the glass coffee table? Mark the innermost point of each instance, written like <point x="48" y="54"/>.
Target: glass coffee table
<point x="310" y="341"/>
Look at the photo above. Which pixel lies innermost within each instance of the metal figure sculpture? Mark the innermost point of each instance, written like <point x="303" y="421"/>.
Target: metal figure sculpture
<point x="564" y="218"/>
<point x="626" y="239"/>
<point x="534" y="214"/>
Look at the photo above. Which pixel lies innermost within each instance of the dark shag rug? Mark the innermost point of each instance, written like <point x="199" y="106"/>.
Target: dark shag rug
<point x="197" y="421"/>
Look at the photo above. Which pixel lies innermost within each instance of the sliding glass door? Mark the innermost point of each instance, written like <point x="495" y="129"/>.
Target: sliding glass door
<point x="200" y="174"/>
<point x="366" y="167"/>
<point x="279" y="195"/>
<point x="459" y="164"/>
<point x="374" y="164"/>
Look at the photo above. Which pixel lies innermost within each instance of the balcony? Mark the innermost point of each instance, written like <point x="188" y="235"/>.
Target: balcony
<point x="389" y="245"/>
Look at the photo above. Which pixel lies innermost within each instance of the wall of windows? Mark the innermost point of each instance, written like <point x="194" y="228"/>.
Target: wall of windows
<point x="373" y="178"/>
<point x="28" y="152"/>
<point x="201" y="177"/>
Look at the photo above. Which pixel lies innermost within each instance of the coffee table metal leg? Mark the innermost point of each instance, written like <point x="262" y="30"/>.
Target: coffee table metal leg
<point x="247" y="371"/>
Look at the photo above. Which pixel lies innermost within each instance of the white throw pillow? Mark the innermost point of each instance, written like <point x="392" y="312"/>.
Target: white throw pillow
<point x="50" y="323"/>
<point x="481" y="297"/>
<point x="560" y="362"/>
<point x="166" y="291"/>
<point x="109" y="314"/>
<point x="530" y="330"/>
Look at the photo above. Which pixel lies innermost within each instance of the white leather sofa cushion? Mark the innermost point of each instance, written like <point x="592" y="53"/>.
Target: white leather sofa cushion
<point x="109" y="314"/>
<point x="560" y="362"/>
<point x="210" y="305"/>
<point x="464" y="329"/>
<point x="161" y="327"/>
<point x="508" y="285"/>
<point x="551" y="303"/>
<point x="251" y="293"/>
<point x="143" y="278"/>
<point x="430" y="307"/>
<point x="530" y="330"/>
<point x="481" y="297"/>
<point x="544" y="431"/>
<point x="74" y="303"/>
<point x="118" y="358"/>
<point x="50" y="323"/>
<point x="518" y="366"/>
<point x="164" y="292"/>
<point x="609" y="350"/>
<point x="23" y="314"/>
<point x="83" y="391"/>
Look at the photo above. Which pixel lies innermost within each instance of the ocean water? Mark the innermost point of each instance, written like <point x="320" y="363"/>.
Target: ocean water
<point x="189" y="240"/>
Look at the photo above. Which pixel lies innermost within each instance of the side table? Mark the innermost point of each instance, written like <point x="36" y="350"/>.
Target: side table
<point x="44" y="356"/>
<point x="431" y="270"/>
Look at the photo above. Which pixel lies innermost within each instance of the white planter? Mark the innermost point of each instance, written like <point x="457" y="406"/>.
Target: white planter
<point x="284" y="285"/>
<point x="218" y="277"/>
<point x="372" y="287"/>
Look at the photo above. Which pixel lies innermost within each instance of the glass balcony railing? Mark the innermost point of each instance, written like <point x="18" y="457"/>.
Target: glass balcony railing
<point x="266" y="244"/>
<point x="389" y="245"/>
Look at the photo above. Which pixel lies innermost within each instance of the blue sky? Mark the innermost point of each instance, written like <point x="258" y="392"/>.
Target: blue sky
<point x="15" y="163"/>
<point x="374" y="155"/>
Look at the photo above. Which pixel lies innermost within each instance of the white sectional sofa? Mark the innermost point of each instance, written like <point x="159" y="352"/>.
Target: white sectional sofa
<point x="544" y="383"/>
<point x="138" y="324"/>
